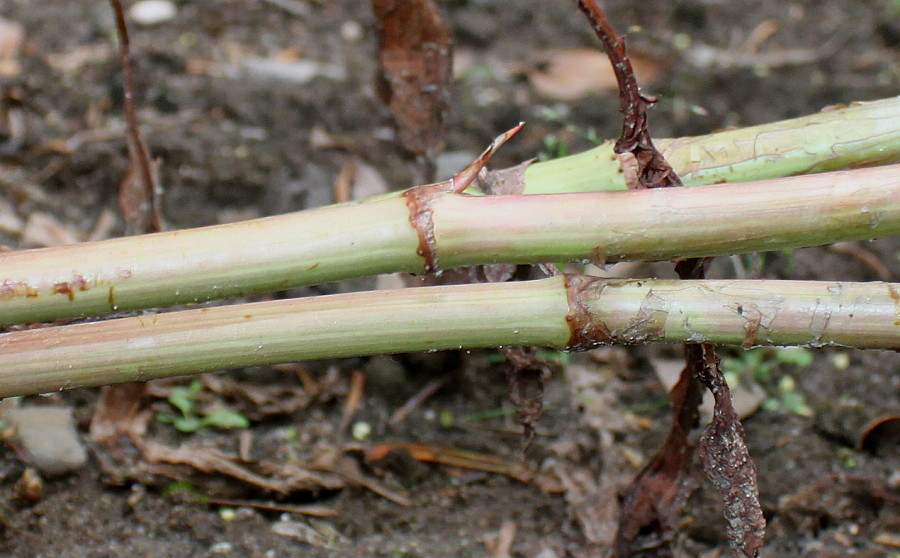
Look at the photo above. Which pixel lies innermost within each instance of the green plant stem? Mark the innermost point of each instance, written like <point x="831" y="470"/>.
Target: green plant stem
<point x="451" y="317"/>
<point x="375" y="236"/>
<point x="859" y="134"/>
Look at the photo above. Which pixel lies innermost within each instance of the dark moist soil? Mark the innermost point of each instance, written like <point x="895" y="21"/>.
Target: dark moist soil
<point x="235" y="146"/>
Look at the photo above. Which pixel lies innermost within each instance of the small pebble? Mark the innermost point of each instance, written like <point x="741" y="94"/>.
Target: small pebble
<point x="48" y="437"/>
<point x="221" y="548"/>
<point x="351" y="31"/>
<point x="152" y="12"/>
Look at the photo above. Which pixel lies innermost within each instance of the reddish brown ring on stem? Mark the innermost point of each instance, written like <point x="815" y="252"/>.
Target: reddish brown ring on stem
<point x="418" y="200"/>
<point x="586" y="332"/>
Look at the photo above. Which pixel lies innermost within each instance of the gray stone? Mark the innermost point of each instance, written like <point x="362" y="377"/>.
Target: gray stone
<point x="48" y="437"/>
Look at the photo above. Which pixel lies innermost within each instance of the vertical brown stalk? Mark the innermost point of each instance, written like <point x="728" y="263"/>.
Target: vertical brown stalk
<point x="656" y="495"/>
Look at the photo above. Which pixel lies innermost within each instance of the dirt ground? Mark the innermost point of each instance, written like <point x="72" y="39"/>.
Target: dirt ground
<point x="240" y="136"/>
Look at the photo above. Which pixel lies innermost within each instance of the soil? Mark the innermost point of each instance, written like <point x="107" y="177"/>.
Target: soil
<point x="236" y="141"/>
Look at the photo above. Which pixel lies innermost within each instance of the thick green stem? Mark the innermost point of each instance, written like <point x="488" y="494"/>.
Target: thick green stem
<point x="860" y="134"/>
<point x="375" y="236"/>
<point x="464" y="316"/>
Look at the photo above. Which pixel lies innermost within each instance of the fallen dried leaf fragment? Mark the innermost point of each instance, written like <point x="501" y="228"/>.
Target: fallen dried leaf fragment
<point x="44" y="230"/>
<point x="454" y="458"/>
<point x="570" y="74"/>
<point x="415" y="60"/>
<point x="12" y="35"/>
<point x="280" y="479"/>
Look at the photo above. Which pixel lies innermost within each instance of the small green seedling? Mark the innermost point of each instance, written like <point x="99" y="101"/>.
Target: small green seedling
<point x="759" y="366"/>
<point x="183" y="399"/>
<point x="184" y="489"/>
<point x="553" y="147"/>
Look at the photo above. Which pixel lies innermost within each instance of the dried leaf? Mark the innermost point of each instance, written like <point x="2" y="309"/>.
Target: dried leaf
<point x="12" y="36"/>
<point x="43" y="230"/>
<point x="748" y="396"/>
<point x="415" y="60"/>
<point x="253" y="400"/>
<point x="658" y="493"/>
<point x="10" y="223"/>
<point x="347" y="468"/>
<point x="727" y="463"/>
<point x="526" y="375"/>
<point x="570" y="74"/>
<point x="880" y="435"/>
<point x="453" y="457"/>
<point x="723" y="451"/>
<point x="116" y="412"/>
<point x="280" y="479"/>
<point x="837" y="498"/>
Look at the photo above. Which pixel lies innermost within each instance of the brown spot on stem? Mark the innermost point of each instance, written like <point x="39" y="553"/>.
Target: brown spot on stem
<point x="894" y="294"/>
<point x="751" y="326"/>
<point x="64" y="288"/>
<point x="68" y="288"/>
<point x="12" y="289"/>
<point x="586" y="331"/>
<point x="79" y="282"/>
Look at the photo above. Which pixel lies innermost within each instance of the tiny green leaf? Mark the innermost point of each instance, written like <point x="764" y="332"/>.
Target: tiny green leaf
<point x="797" y="356"/>
<point x="225" y="419"/>
<point x="189" y="423"/>
<point x="182" y="398"/>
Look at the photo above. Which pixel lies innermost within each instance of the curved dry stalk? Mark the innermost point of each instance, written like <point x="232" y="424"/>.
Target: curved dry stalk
<point x="375" y="236"/>
<point x="566" y="312"/>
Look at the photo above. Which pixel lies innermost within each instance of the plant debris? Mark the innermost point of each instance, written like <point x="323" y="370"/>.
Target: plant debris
<point x="658" y="492"/>
<point x="415" y="61"/>
<point x="453" y="458"/>
<point x="526" y="374"/>
<point x="138" y="198"/>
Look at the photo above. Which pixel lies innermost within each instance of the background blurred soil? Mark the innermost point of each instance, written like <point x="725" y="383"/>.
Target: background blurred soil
<point x="238" y="137"/>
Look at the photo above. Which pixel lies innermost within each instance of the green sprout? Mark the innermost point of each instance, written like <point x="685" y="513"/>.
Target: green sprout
<point x="553" y="148"/>
<point x="184" y="398"/>
<point x="760" y="366"/>
<point x="184" y="488"/>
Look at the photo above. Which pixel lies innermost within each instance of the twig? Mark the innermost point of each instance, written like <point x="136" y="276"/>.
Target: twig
<point x="146" y="217"/>
<point x="654" y="171"/>
<point x="354" y="397"/>
<point x="723" y="450"/>
<point x="416" y="400"/>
